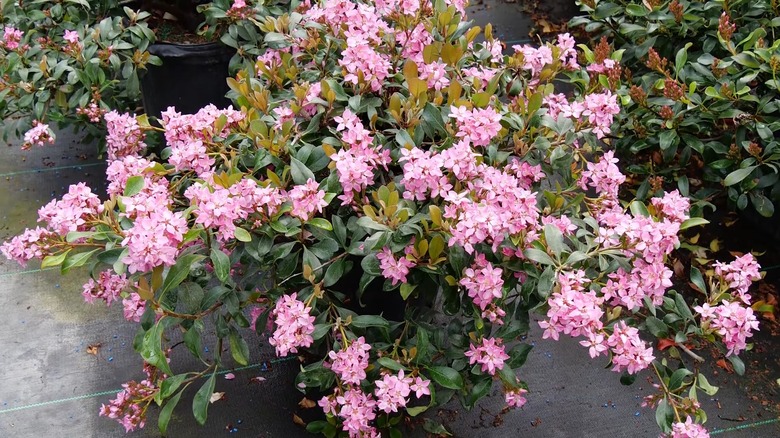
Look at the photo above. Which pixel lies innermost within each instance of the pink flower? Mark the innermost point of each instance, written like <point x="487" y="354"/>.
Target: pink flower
<point x="357" y="410"/>
<point x="630" y="353"/>
<point x="534" y="59"/>
<point x="73" y="212"/>
<point x="515" y="398"/>
<point x="479" y="125"/>
<point x="11" y="38"/>
<point x="673" y="206"/>
<point x="420" y="387"/>
<point x="603" y="176"/>
<point x="600" y="109"/>
<point x="363" y="61"/>
<point x="572" y="310"/>
<point x="118" y="171"/>
<point x="392" y="391"/>
<point x="107" y="288"/>
<point x="422" y="174"/>
<point x="154" y="240"/>
<point x="568" y="54"/>
<point x="733" y="321"/>
<point x="39" y="134"/>
<point x="71" y="36"/>
<point x="688" y="429"/>
<point x="491" y="355"/>
<point x="294" y="325"/>
<point x="596" y="344"/>
<point x="392" y="268"/>
<point x="31" y="244"/>
<point x="307" y="199"/>
<point x="134" y="307"/>
<point x="483" y="282"/>
<point x="124" y="137"/>
<point x="740" y="274"/>
<point x="129" y="406"/>
<point x="350" y="363"/>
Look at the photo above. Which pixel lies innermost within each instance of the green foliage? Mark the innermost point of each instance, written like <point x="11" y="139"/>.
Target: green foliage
<point x="702" y="103"/>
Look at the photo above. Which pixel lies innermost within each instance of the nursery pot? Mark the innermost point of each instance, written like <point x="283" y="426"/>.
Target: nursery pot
<point x="191" y="76"/>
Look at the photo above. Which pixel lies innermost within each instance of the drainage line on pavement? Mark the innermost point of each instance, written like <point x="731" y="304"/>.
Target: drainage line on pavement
<point x="114" y="391"/>
<point x="29" y="271"/>
<point x="49" y="169"/>
<point x="744" y="426"/>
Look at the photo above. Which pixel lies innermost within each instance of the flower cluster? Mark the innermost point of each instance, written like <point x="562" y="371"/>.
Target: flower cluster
<point x="490" y="354"/>
<point x="733" y="321"/>
<point x="740" y="274"/>
<point x="73" y="212"/>
<point x="129" y="406"/>
<point x="124" y="137"/>
<point x="107" y="288"/>
<point x="350" y="363"/>
<point x="483" y="282"/>
<point x="392" y="268"/>
<point x="688" y="429"/>
<point x="39" y="134"/>
<point x="480" y="126"/>
<point x="294" y="325"/>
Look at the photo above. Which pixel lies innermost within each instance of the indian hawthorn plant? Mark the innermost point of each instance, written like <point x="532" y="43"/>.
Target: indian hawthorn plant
<point x="390" y="155"/>
<point x="701" y="95"/>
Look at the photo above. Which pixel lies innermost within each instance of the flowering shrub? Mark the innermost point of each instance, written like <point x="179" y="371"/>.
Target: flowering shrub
<point x="72" y="62"/>
<point x="380" y="155"/>
<point x="68" y="63"/>
<point x="700" y="96"/>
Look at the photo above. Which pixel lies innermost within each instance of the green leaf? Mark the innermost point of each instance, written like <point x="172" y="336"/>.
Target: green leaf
<point x="417" y="410"/>
<point x="554" y="239"/>
<point x="738" y="175"/>
<point x="638" y="208"/>
<point x="664" y="416"/>
<point x="538" y="256"/>
<point x="340" y="230"/>
<point x="656" y="327"/>
<point x="170" y="385"/>
<point x="300" y="173"/>
<point x="364" y="321"/>
<point x="636" y="10"/>
<point x="334" y="273"/>
<point x="368" y="223"/>
<point x="407" y="289"/>
<point x="390" y="364"/>
<point x="320" y="223"/>
<point x="682" y="307"/>
<point x="705" y="385"/>
<point x="221" y="263"/>
<point x="693" y="222"/>
<point x="200" y="404"/>
<point x="242" y="235"/>
<point x="446" y="377"/>
<point x="762" y="204"/>
<point x="518" y="355"/>
<point x="151" y="350"/>
<point x="627" y="379"/>
<point x="239" y="348"/>
<point x="436" y="247"/>
<point x="370" y="265"/>
<point x="54" y="260"/>
<point x="698" y="280"/>
<point x="667" y="139"/>
<point x="134" y="185"/>
<point x="432" y="117"/>
<point x="746" y="59"/>
<point x="166" y="412"/>
<point x="179" y="271"/>
<point x="739" y="366"/>
<point x="76" y="260"/>
<point x="678" y="377"/>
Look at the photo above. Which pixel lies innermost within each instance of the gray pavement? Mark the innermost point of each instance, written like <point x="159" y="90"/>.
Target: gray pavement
<point x="52" y="387"/>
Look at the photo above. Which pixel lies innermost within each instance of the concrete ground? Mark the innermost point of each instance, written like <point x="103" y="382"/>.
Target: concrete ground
<point x="52" y="387"/>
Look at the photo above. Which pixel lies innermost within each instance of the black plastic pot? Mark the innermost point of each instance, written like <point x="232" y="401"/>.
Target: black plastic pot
<point x="191" y="76"/>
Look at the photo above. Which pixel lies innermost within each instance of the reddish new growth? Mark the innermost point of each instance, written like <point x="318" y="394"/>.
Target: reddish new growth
<point x="638" y="95"/>
<point x="725" y="27"/>
<point x="677" y="10"/>
<point x="655" y="61"/>
<point x="673" y="90"/>
<point x="666" y="112"/>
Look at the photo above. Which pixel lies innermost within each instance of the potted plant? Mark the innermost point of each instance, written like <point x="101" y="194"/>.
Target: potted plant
<point x="455" y="176"/>
<point x="71" y="62"/>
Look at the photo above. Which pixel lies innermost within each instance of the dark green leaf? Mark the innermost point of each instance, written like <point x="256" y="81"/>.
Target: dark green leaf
<point x="166" y="412"/>
<point x="221" y="263"/>
<point x="364" y="321"/>
<point x="446" y="377"/>
<point x="300" y="173"/>
<point x="200" y="404"/>
<point x="239" y="348"/>
<point x="656" y="327"/>
<point x="179" y="271"/>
